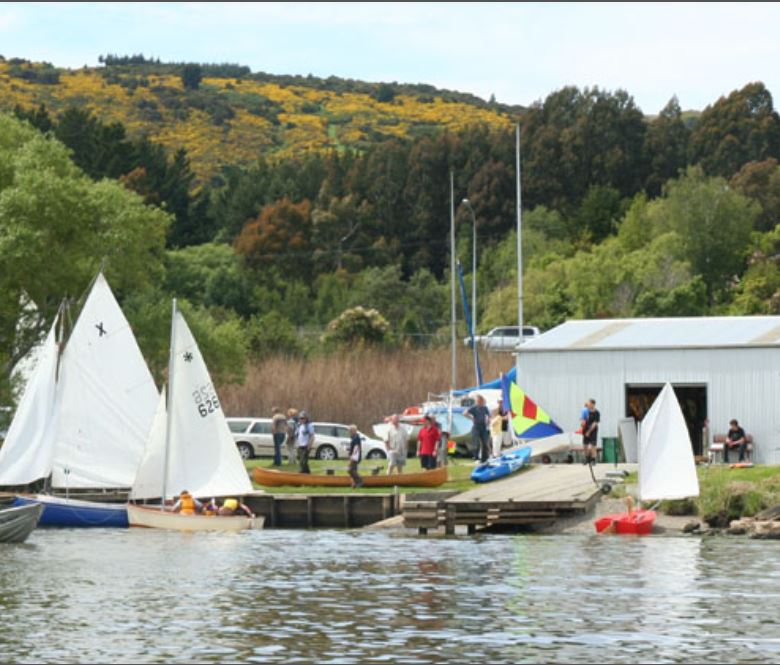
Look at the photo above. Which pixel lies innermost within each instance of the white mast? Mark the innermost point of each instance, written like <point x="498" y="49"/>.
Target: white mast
<point x="453" y="318"/>
<point x="169" y="419"/>
<point x="519" y="251"/>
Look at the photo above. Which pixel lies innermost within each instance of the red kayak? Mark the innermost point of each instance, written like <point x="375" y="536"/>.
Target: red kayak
<point x="639" y="522"/>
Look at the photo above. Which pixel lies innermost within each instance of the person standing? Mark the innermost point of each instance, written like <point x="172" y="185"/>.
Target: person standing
<point x="279" y="431"/>
<point x="355" y="455"/>
<point x="304" y="441"/>
<point x="736" y="437"/>
<point x="428" y="442"/>
<point x="480" y="437"/>
<point x="396" y="443"/>
<point x="292" y="428"/>
<point x="496" y="433"/>
<point x="590" y="433"/>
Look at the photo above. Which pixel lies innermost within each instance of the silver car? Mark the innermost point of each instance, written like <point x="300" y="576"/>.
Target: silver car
<point x="254" y="438"/>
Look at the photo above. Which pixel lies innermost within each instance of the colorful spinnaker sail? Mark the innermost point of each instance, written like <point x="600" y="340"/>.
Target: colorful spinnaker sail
<point x="528" y="420"/>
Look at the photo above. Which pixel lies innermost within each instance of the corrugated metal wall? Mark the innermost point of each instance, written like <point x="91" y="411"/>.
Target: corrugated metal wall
<point x="741" y="383"/>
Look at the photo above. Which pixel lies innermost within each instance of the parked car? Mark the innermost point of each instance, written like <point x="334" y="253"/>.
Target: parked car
<point x="253" y="438"/>
<point x="504" y="338"/>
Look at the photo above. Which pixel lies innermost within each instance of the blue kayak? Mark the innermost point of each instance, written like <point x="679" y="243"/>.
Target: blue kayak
<point x="58" y="512"/>
<point x="500" y="467"/>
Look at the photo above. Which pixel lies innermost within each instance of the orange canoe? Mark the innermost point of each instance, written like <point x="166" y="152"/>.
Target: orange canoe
<point x="274" y="478"/>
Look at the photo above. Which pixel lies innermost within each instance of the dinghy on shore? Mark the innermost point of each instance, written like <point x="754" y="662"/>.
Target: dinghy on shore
<point x="666" y="466"/>
<point x="274" y="478"/>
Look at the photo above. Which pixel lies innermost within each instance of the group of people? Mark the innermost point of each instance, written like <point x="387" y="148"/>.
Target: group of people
<point x="490" y="429"/>
<point x="189" y="505"/>
<point x="295" y="432"/>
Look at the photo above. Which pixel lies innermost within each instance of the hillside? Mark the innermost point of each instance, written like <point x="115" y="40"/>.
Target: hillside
<point x="234" y="116"/>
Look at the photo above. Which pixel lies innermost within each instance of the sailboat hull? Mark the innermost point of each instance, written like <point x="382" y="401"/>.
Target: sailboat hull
<point x="154" y="518"/>
<point x="18" y="523"/>
<point x="58" y="512"/>
<point x="639" y="523"/>
<point x="273" y="478"/>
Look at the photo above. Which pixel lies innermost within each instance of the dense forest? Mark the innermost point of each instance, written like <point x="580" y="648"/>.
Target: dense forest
<point x="302" y="246"/>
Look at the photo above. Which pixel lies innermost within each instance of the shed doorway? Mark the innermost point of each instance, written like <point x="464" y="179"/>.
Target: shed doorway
<point x="693" y="402"/>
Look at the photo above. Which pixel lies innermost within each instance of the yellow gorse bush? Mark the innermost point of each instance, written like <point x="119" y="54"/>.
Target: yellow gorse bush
<point x="260" y="118"/>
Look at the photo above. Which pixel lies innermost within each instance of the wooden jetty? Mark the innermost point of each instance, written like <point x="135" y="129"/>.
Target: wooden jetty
<point x="539" y="496"/>
<point x="323" y="510"/>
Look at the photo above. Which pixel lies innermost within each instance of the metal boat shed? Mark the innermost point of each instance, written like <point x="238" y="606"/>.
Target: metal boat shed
<point x="721" y="368"/>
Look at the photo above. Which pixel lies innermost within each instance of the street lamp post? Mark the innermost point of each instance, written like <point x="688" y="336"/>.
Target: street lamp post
<point x="467" y="203"/>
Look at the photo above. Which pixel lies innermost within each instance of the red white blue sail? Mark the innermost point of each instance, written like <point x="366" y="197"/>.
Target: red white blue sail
<point x="529" y="421"/>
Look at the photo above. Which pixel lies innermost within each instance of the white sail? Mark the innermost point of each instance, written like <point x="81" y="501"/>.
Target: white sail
<point x="107" y="398"/>
<point x="666" y="465"/>
<point x="202" y="456"/>
<point x="27" y="452"/>
<point x="149" y="478"/>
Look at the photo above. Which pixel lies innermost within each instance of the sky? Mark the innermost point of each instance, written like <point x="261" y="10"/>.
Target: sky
<point x="519" y="52"/>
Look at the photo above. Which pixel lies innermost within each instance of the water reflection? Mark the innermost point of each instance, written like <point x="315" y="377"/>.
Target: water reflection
<point x="329" y="596"/>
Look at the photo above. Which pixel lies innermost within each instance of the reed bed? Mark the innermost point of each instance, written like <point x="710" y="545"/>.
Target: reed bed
<point x="362" y="386"/>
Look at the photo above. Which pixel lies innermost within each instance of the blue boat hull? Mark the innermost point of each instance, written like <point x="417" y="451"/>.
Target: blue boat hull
<point x="59" y="512"/>
<point x="502" y="466"/>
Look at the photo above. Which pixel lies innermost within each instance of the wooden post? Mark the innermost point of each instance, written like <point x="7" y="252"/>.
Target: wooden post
<point x="449" y="520"/>
<point x="310" y="511"/>
<point x="274" y="514"/>
<point x="347" y="510"/>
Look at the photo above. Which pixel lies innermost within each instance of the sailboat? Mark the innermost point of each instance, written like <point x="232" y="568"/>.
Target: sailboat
<point x="84" y="416"/>
<point x="666" y="466"/>
<point x="190" y="446"/>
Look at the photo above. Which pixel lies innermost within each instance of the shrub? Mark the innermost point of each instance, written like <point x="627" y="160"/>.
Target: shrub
<point x="357" y="327"/>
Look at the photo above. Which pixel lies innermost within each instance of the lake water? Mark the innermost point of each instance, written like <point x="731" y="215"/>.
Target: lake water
<point x="372" y="596"/>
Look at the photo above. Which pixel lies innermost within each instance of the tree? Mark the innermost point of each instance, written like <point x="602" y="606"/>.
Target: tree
<point x="737" y="129"/>
<point x="578" y="139"/>
<point x="714" y="224"/>
<point x="57" y="226"/>
<point x="760" y="181"/>
<point x="666" y="147"/>
<point x="191" y="76"/>
<point x="357" y="327"/>
<point x="280" y="236"/>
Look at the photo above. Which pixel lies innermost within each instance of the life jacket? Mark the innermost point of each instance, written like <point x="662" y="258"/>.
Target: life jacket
<point x="187" y="504"/>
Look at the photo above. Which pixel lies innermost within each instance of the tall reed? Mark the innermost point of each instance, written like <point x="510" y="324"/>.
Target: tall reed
<point x="362" y="386"/>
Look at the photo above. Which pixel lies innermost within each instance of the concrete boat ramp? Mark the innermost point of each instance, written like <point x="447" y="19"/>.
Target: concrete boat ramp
<point x="537" y="497"/>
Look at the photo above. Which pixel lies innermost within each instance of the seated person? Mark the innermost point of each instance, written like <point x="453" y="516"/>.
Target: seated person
<point x="187" y="504"/>
<point x="211" y="508"/>
<point x="735" y="438"/>
<point x="232" y="507"/>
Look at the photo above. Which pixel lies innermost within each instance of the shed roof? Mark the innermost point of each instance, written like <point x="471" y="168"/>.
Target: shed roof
<point x="667" y="333"/>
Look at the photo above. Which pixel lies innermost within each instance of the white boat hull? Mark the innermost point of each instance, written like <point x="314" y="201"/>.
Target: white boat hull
<point x="154" y="518"/>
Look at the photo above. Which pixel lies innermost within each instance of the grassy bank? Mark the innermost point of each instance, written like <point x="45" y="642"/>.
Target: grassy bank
<point x="361" y="387"/>
<point x="459" y="476"/>
<point x="726" y="494"/>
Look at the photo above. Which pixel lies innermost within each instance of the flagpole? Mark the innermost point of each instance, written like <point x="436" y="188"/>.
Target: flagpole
<point x="453" y="319"/>
<point x="519" y="253"/>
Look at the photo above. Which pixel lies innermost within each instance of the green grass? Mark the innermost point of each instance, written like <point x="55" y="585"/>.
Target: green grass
<point x="459" y="476"/>
<point x="727" y="494"/>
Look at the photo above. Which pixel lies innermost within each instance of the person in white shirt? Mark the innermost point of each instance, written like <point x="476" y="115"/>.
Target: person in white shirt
<point x="396" y="443"/>
<point x="304" y="440"/>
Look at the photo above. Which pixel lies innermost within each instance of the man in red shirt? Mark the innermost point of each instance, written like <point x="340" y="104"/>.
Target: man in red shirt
<point x="428" y="440"/>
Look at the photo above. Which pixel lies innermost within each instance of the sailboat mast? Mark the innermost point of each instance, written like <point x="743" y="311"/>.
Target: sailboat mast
<point x="519" y="251"/>
<point x="169" y="409"/>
